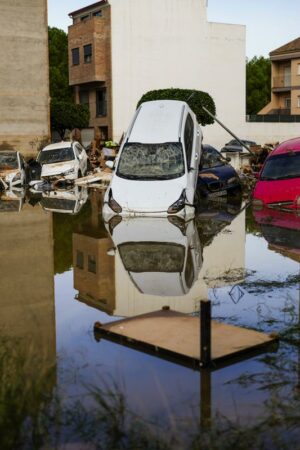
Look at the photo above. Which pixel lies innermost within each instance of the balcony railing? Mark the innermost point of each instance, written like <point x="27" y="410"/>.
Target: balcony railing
<point x="287" y="118"/>
<point x="282" y="82"/>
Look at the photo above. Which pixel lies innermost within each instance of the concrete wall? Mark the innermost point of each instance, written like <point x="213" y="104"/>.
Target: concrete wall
<point x="169" y="43"/>
<point x="271" y="132"/>
<point x="24" y="84"/>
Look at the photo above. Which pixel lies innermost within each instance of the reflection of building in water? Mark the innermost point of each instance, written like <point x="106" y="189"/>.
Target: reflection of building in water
<point x="27" y="280"/>
<point x="224" y="258"/>
<point x="94" y="269"/>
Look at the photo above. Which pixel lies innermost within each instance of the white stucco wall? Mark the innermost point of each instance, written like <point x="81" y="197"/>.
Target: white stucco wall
<point x="169" y="43"/>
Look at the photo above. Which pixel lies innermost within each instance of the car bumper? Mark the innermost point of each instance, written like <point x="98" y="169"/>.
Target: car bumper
<point x="187" y="213"/>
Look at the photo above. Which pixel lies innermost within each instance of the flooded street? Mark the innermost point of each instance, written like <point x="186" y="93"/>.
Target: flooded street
<point x="63" y="270"/>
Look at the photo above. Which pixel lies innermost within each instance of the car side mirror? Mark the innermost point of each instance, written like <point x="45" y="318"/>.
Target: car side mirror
<point x="110" y="164"/>
<point x="228" y="159"/>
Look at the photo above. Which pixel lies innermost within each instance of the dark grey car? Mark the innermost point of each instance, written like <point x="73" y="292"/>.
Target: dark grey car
<point x="235" y="146"/>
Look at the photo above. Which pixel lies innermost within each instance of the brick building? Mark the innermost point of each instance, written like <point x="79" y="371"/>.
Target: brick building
<point x="90" y="62"/>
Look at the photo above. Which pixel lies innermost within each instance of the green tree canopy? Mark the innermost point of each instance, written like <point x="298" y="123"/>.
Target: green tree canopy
<point x="66" y="116"/>
<point x="58" y="65"/>
<point x="258" y="74"/>
<point x="195" y="100"/>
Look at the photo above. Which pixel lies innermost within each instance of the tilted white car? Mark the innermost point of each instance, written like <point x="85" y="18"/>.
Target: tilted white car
<point x="157" y="167"/>
<point x="66" y="160"/>
<point x="12" y="169"/>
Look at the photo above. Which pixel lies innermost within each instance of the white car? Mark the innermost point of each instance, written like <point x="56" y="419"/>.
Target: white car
<point x="162" y="257"/>
<point x="12" y="169"/>
<point x="156" y="170"/>
<point x="64" y="160"/>
<point x="64" y="201"/>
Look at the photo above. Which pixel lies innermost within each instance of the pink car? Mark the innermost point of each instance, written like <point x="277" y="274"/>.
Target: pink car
<point x="278" y="184"/>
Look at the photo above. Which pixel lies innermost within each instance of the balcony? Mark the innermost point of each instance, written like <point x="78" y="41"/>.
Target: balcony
<point x="282" y="83"/>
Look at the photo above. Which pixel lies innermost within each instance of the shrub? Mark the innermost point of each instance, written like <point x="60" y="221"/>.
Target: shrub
<point x="195" y="99"/>
<point x="66" y="116"/>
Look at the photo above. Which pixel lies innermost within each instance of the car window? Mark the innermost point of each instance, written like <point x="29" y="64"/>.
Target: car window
<point x="189" y="139"/>
<point x="56" y="155"/>
<point x="211" y="158"/>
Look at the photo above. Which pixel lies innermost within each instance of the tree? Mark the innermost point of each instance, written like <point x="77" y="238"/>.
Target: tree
<point x="66" y="116"/>
<point x="58" y="65"/>
<point x="195" y="100"/>
<point x="258" y="75"/>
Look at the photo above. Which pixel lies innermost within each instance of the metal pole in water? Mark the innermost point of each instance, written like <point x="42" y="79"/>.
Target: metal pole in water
<point x="205" y="331"/>
<point x="227" y="129"/>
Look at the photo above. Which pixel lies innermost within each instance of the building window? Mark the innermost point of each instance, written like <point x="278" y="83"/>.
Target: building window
<point x="75" y="56"/>
<point x="84" y="98"/>
<point x="87" y="52"/>
<point x="287" y="102"/>
<point x="79" y="260"/>
<point x="101" y="103"/>
<point x="84" y="18"/>
<point x="97" y="13"/>
<point x="298" y="102"/>
<point x="92" y="265"/>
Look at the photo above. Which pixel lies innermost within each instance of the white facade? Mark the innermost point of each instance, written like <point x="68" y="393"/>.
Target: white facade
<point x="169" y="43"/>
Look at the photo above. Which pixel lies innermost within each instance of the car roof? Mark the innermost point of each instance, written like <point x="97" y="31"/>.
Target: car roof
<point x="287" y="147"/>
<point x="157" y="122"/>
<point x="58" y="145"/>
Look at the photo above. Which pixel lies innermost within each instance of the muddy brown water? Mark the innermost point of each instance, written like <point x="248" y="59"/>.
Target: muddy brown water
<point x="63" y="269"/>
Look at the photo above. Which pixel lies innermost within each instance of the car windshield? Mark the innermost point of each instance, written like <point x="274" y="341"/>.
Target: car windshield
<point x="56" y="155"/>
<point x="8" y="161"/>
<point x="151" y="161"/>
<point x="282" y="167"/>
<point x="211" y="158"/>
<point x="142" y="257"/>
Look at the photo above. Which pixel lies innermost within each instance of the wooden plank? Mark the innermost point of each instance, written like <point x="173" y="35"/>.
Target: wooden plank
<point x="179" y="335"/>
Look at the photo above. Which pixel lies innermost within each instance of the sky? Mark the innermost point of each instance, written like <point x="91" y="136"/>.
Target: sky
<point x="270" y="23"/>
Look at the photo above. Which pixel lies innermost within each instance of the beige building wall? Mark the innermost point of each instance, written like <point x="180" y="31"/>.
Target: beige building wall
<point x="24" y="74"/>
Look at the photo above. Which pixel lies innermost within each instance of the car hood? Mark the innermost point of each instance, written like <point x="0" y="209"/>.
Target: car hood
<point x="57" y="168"/>
<point x="147" y="196"/>
<point x="9" y="174"/>
<point x="221" y="172"/>
<point x="277" y="191"/>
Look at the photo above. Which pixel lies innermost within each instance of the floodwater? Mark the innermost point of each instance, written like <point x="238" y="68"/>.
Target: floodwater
<point x="63" y="270"/>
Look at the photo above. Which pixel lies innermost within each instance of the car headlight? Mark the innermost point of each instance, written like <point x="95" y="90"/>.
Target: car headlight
<point x="257" y="204"/>
<point x="17" y="177"/>
<point x="113" y="204"/>
<point x="69" y="172"/>
<point x="178" y="205"/>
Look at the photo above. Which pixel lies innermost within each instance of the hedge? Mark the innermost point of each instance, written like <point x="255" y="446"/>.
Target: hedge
<point x="195" y="100"/>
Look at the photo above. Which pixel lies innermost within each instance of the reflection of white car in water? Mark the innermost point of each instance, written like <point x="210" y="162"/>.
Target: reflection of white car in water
<point x="64" y="201"/>
<point x="162" y="257"/>
<point x="157" y="167"/>
<point x="67" y="160"/>
<point x="12" y="169"/>
<point x="12" y="201"/>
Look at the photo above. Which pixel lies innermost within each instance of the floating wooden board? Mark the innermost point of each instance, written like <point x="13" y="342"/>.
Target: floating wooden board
<point x="176" y="336"/>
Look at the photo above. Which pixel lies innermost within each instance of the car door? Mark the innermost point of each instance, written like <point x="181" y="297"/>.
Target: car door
<point x="81" y="157"/>
<point x="192" y="139"/>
